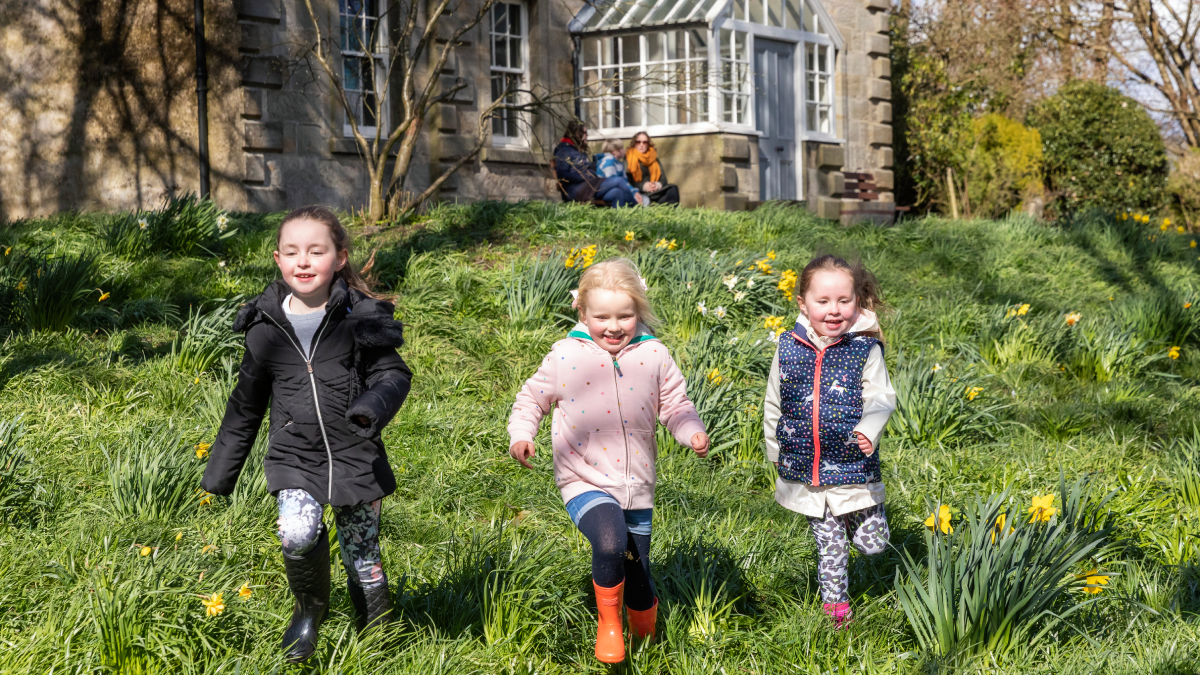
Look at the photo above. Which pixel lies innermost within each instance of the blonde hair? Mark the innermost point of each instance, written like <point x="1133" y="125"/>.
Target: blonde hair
<point x="612" y="146"/>
<point x="618" y="275"/>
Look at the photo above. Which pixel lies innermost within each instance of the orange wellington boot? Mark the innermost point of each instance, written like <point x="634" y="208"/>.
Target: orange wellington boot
<point x="641" y="624"/>
<point x="610" y="637"/>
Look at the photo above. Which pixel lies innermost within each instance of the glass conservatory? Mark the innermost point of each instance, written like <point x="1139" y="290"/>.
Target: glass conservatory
<point x="762" y="68"/>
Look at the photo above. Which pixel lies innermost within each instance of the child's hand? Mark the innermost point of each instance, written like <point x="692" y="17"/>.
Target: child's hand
<point x="864" y="444"/>
<point x="362" y="421"/>
<point x="522" y="451"/>
<point x="700" y="444"/>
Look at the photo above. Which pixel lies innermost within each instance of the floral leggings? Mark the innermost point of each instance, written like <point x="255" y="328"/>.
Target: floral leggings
<point x="871" y="536"/>
<point x="357" y="529"/>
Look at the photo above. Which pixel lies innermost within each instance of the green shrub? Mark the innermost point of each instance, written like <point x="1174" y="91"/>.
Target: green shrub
<point x="154" y="477"/>
<point x="985" y="588"/>
<point x="23" y="495"/>
<point x="45" y="292"/>
<point x="1101" y="148"/>
<point x="1183" y="188"/>
<point x="540" y="291"/>
<point x="934" y="408"/>
<point x="205" y="338"/>
<point x="183" y="226"/>
<point x="1003" y="167"/>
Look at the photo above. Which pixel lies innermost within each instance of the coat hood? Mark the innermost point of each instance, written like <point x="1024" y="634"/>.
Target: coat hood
<point x="372" y="320"/>
<point x="640" y="334"/>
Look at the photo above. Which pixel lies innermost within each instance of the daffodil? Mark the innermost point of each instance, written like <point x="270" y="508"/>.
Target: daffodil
<point x="701" y="308"/>
<point x="244" y="591"/>
<point x="222" y="222"/>
<point x="714" y="376"/>
<point x="202" y="448"/>
<point x="1187" y="305"/>
<point x="208" y="548"/>
<point x="1072" y="318"/>
<point x="771" y="255"/>
<point x="1095" y="582"/>
<point x="146" y="550"/>
<point x="1193" y="244"/>
<point x="1042" y="509"/>
<point x="213" y="605"/>
<point x="749" y="283"/>
<point x="179" y="536"/>
<point x="1023" y="309"/>
<point x="206" y="499"/>
<point x="21" y="285"/>
<point x="1180" y="229"/>
<point x="730" y="281"/>
<point x="739" y="296"/>
<point x="936" y="367"/>
<point x="720" y="312"/>
<point x="999" y="528"/>
<point x="7" y="250"/>
<point x="1164" y="226"/>
<point x="672" y="246"/>
<point x="690" y="284"/>
<point x="940" y="520"/>
<point x="143" y="223"/>
<point x="787" y="282"/>
<point x="103" y="297"/>
<point x="629" y="235"/>
<point x="1173" y="353"/>
<point x="973" y="392"/>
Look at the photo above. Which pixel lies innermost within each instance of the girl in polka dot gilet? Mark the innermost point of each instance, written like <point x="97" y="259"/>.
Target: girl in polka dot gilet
<point x="828" y="400"/>
<point x="609" y="382"/>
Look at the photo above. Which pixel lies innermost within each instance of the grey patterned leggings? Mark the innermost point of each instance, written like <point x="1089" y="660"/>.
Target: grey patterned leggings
<point x="871" y="536"/>
<point x="357" y="530"/>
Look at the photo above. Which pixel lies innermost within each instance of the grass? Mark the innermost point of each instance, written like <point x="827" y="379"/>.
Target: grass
<point x="106" y="401"/>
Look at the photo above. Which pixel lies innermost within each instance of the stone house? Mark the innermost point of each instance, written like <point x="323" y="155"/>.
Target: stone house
<point x="747" y="100"/>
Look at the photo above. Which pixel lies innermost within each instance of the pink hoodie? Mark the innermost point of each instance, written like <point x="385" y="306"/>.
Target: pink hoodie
<point x="604" y="421"/>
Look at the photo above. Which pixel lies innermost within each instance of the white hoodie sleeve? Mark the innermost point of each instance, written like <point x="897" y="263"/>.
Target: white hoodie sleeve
<point x="879" y="399"/>
<point x="771" y="412"/>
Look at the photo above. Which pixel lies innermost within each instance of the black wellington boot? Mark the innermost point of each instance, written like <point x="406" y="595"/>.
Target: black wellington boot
<point x="372" y="604"/>
<point x="308" y="578"/>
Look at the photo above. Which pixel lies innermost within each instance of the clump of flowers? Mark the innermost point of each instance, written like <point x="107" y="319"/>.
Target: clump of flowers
<point x="714" y="376"/>
<point x="213" y="605"/>
<point x="669" y="245"/>
<point x="774" y="324"/>
<point x="973" y="392"/>
<point x="222" y="222"/>
<point x="940" y="520"/>
<point x="582" y="256"/>
<point x="1019" y="310"/>
<point x="763" y="265"/>
<point x="1042" y="511"/>
<point x="629" y="235"/>
<point x="787" y="282"/>
<point x="730" y="281"/>
<point x="1072" y="318"/>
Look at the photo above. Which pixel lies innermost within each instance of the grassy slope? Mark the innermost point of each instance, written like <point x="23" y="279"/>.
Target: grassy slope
<point x="491" y="575"/>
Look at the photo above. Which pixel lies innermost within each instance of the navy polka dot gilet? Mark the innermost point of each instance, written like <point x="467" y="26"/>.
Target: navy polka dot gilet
<point x="832" y="456"/>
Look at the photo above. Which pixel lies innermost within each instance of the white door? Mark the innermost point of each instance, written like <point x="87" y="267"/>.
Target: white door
<point x="775" y="117"/>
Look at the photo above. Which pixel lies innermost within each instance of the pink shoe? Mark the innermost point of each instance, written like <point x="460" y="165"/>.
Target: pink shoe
<point x="839" y="613"/>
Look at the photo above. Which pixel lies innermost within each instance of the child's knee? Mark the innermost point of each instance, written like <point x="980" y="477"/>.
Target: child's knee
<point x="299" y="535"/>
<point x="872" y="542"/>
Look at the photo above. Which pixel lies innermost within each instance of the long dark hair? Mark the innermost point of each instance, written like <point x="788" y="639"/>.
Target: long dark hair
<point x="576" y="131"/>
<point x="341" y="242"/>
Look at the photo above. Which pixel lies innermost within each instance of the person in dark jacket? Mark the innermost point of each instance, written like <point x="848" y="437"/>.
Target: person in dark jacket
<point x="321" y="349"/>
<point x="578" y="177"/>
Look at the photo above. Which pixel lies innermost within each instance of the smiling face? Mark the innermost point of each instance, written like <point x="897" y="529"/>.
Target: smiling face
<point x="308" y="259"/>
<point x="611" y="318"/>
<point x="829" y="302"/>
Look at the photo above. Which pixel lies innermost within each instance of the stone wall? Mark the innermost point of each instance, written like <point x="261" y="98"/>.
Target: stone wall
<point x="98" y="104"/>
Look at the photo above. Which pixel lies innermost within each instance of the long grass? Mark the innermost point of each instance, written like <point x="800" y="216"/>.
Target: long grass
<point x="107" y="410"/>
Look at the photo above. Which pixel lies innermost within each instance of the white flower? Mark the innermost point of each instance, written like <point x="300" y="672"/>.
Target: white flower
<point x="221" y="264"/>
<point x="937" y="367"/>
<point x="772" y="337"/>
<point x="703" y="310"/>
<point x="749" y="283"/>
<point x="720" y="312"/>
<point x="733" y="340"/>
<point x="143" y="223"/>
<point x="712" y="253"/>
<point x="730" y="281"/>
<point x="222" y="222"/>
<point x="739" y="296"/>
<point x="689" y="285"/>
<point x="757" y="343"/>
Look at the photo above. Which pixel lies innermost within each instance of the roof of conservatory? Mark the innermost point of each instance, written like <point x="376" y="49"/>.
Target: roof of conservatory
<point x="609" y="15"/>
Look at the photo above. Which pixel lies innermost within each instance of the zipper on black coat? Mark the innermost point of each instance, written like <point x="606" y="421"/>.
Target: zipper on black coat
<point x="313" y="380"/>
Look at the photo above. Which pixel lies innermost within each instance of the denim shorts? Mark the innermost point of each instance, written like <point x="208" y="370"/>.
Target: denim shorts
<point x="636" y="520"/>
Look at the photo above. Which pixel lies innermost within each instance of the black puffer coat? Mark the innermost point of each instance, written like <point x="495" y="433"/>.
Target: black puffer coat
<point x="313" y="444"/>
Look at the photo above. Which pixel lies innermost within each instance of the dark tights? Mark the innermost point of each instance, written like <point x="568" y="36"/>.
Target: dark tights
<point x="619" y="555"/>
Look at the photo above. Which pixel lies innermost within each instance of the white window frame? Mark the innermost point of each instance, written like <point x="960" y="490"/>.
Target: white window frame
<point x="504" y="140"/>
<point x="829" y="75"/>
<point x="378" y="57"/>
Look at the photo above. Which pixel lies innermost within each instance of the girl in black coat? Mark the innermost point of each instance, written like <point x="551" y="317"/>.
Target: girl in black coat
<point x="321" y="348"/>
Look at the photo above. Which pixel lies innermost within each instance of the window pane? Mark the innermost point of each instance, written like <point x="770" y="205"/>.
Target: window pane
<point x="591" y="113"/>
<point x="825" y="126"/>
<point x="631" y="49"/>
<point x="632" y="110"/>
<point x="774" y="13"/>
<point x="656" y="110"/>
<point x="499" y="18"/>
<point x="811" y="116"/>
<point x="675" y="41"/>
<point x="727" y="107"/>
<point x="514" y="20"/>
<point x="756" y="11"/>
<point x="739" y="9"/>
<point x="608" y="57"/>
<point x="350" y="73"/>
<point x="823" y="59"/>
<point x="514" y="53"/>
<point x="810" y="91"/>
<point x="591" y="52"/>
<point x="368" y="79"/>
<point x="793" y="14"/>
<point x="654" y="47"/>
<point x="810" y="21"/>
<point x="500" y="52"/>
<point x="697" y="44"/>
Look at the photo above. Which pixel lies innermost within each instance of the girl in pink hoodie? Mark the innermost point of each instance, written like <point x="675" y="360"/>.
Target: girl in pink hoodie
<point x="608" y="382"/>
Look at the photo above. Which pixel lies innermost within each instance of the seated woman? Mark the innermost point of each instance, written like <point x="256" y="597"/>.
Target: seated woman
<point x="611" y="162"/>
<point x="646" y="173"/>
<point x="578" y="181"/>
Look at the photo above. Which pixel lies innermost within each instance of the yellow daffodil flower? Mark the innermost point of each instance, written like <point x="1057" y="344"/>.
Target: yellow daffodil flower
<point x="1072" y="318"/>
<point x="1193" y="244"/>
<point x="21" y="285"/>
<point x="787" y="282"/>
<point x="244" y="591"/>
<point x="179" y="536"/>
<point x="629" y="235"/>
<point x="1173" y="353"/>
<point x="1023" y="309"/>
<point x="1095" y="582"/>
<point x="1042" y="509"/>
<point x="999" y="528"/>
<point x="213" y="605"/>
<point x="973" y="392"/>
<point x="206" y="499"/>
<point x="208" y="548"/>
<point x="146" y="550"/>
<point x="1187" y="305"/>
<point x="940" y="520"/>
<point x="771" y="255"/>
<point x="202" y="448"/>
<point x="714" y="376"/>
<point x="7" y="250"/>
<point x="1164" y="226"/>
